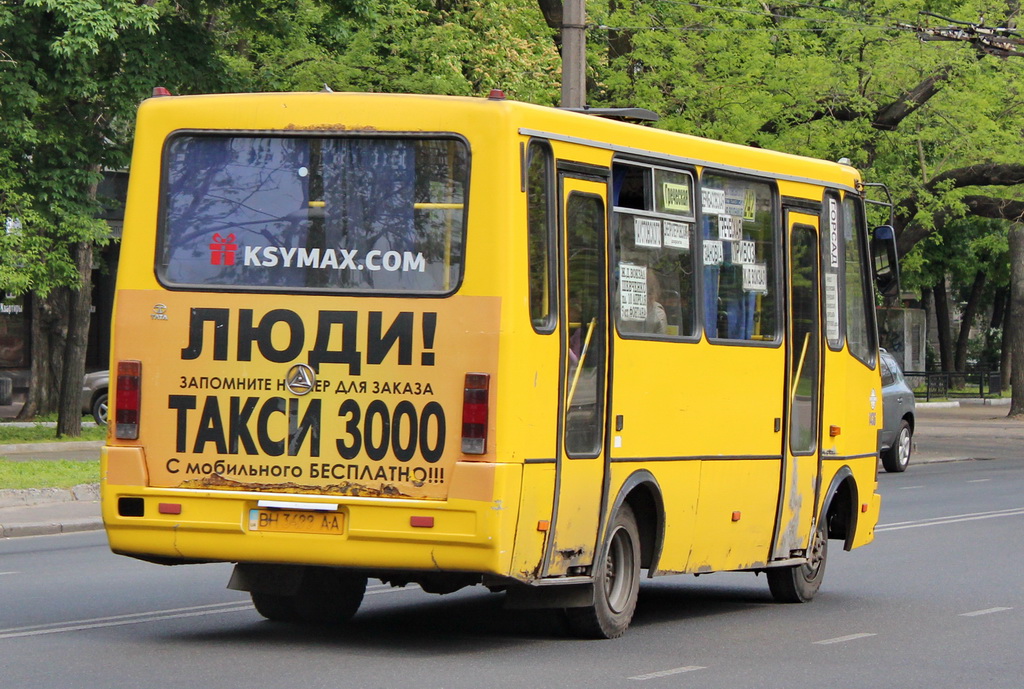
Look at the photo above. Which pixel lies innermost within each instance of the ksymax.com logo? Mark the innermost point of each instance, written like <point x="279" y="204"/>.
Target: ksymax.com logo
<point x="224" y="251"/>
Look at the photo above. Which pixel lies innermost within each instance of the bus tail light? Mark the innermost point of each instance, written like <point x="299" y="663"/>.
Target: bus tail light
<point x="475" y="413"/>
<point x="128" y="400"/>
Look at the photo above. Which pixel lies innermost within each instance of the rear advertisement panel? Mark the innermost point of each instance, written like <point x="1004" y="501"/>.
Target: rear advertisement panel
<point x="319" y="395"/>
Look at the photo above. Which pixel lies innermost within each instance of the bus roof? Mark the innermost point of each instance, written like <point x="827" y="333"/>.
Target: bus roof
<point x="385" y="112"/>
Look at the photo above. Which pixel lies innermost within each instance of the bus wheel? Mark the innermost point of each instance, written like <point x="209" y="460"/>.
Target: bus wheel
<point x="616" y="582"/>
<point x="325" y="596"/>
<point x="798" y="584"/>
<point x="274" y="607"/>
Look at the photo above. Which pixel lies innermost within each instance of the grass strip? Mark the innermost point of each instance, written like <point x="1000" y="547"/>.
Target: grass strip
<point x="14" y="435"/>
<point x="61" y="473"/>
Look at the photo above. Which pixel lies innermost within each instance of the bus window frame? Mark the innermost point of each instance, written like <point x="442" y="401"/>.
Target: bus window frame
<point x="868" y="285"/>
<point x="542" y="147"/>
<point x="159" y="264"/>
<point x="614" y="255"/>
<point x="603" y="381"/>
<point x="817" y="370"/>
<point x="780" y="276"/>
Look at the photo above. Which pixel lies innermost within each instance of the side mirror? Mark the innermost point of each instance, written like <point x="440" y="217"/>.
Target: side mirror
<point x="885" y="261"/>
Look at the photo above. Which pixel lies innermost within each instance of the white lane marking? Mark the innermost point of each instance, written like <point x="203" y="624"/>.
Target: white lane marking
<point x="987" y="611"/>
<point x="910" y="487"/>
<point x="979" y="480"/>
<point x="841" y="639"/>
<point x="152" y="616"/>
<point x="951" y="519"/>
<point x="119" y="620"/>
<point x="372" y="591"/>
<point x="667" y="673"/>
<point x="3" y="573"/>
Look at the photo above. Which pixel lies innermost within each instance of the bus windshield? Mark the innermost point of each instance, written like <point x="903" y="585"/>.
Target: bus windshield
<point x="352" y="214"/>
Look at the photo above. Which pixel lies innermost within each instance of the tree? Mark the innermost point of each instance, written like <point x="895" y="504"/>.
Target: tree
<point x="72" y="74"/>
<point x="58" y="102"/>
<point x="1016" y="333"/>
<point x="73" y="71"/>
<point x="938" y="122"/>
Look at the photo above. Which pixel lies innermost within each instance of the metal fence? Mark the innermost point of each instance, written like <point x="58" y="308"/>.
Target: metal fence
<point x="978" y="384"/>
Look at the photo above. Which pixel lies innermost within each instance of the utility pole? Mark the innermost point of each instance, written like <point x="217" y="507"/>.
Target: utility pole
<point x="574" y="54"/>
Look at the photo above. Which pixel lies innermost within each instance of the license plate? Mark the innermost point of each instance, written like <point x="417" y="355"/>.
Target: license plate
<point x="296" y="521"/>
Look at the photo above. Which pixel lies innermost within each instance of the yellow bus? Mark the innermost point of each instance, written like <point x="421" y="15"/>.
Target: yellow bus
<point x="452" y="341"/>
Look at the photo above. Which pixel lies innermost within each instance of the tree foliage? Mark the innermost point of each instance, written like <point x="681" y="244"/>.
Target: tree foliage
<point x="939" y="122"/>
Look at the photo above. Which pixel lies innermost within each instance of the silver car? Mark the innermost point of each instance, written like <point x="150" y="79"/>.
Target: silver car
<point x="896" y="439"/>
<point x="94" y="395"/>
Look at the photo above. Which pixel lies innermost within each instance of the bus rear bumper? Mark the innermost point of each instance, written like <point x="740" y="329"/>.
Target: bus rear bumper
<point x="177" y="526"/>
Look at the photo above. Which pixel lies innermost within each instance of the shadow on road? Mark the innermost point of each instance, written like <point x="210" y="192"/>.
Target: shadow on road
<point x="429" y="626"/>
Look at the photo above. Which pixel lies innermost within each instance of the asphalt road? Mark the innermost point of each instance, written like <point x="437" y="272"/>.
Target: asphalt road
<point x="937" y="601"/>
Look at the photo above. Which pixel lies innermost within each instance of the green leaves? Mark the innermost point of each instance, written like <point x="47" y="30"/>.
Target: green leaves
<point x="84" y="27"/>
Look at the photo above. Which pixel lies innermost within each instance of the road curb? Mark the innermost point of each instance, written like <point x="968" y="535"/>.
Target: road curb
<point x="38" y="511"/>
<point x="70" y="446"/>
<point x="43" y="496"/>
<point x="972" y="402"/>
<point x="51" y="528"/>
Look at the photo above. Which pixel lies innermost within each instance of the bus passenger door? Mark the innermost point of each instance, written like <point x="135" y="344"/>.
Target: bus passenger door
<point x="580" y="472"/>
<point x="801" y="468"/>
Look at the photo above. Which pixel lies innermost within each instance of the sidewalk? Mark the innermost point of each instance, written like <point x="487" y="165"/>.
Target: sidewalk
<point x="945" y="432"/>
<point x="46" y="511"/>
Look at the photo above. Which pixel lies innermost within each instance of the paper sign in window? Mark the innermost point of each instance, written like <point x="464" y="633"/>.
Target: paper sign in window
<point x="750" y="205"/>
<point x="832" y="309"/>
<point x="755" y="278"/>
<point x="833" y="233"/>
<point x="632" y="292"/>
<point x="712" y="201"/>
<point x="730" y="228"/>
<point x="676" y="197"/>
<point x="744" y="253"/>
<point x="714" y="254"/>
<point x="647" y="232"/>
<point x="675" y="235"/>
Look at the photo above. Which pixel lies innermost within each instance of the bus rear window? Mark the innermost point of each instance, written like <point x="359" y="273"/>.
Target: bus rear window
<point x="347" y="214"/>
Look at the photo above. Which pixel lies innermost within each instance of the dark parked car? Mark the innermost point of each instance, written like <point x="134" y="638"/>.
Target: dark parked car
<point x="94" y="395"/>
<point x="896" y="440"/>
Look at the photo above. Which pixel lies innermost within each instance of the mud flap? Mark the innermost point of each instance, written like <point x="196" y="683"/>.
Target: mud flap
<point x="522" y="597"/>
<point x="281" y="580"/>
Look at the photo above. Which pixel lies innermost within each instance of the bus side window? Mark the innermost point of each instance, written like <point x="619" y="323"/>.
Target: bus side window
<point x="739" y="245"/>
<point x="540" y="211"/>
<point x="859" y="294"/>
<point x="653" y="236"/>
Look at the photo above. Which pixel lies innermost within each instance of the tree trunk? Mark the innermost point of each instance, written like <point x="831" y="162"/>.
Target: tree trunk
<point x="69" y="412"/>
<point x="960" y="362"/>
<point x="49" y="331"/>
<point x="942" y="325"/>
<point x="620" y="43"/>
<point x="1016" y="332"/>
<point x="999" y="306"/>
<point x="1005" y="366"/>
<point x="928" y="304"/>
<point x="552" y="11"/>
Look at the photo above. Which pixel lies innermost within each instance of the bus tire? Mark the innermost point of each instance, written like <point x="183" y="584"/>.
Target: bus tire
<point x="616" y="582"/>
<point x="274" y="607"/>
<point x="799" y="583"/>
<point x="897" y="457"/>
<point x="325" y="596"/>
